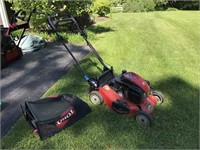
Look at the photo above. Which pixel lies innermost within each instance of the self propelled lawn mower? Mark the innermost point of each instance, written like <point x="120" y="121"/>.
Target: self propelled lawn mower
<point x="127" y="93"/>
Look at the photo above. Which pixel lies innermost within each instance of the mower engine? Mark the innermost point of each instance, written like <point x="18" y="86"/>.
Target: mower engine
<point x="127" y="93"/>
<point x="132" y="86"/>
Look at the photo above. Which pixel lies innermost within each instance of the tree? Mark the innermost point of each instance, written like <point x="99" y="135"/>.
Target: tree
<point x="184" y="5"/>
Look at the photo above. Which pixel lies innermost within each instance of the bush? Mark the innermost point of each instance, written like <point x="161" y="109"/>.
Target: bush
<point x="171" y="9"/>
<point x="161" y="4"/>
<point x="139" y="5"/>
<point x="101" y="7"/>
<point x="117" y="9"/>
<point x="39" y="23"/>
<point x="184" y="5"/>
<point x="148" y="5"/>
<point x="131" y="6"/>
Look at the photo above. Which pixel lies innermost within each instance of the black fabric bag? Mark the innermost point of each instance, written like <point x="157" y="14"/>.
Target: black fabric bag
<point x="50" y="115"/>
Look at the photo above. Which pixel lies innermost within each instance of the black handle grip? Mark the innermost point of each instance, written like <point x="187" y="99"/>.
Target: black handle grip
<point x="62" y="17"/>
<point x="17" y="13"/>
<point x="59" y="17"/>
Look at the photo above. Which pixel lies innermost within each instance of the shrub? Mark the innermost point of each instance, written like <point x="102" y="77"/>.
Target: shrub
<point x="139" y="5"/>
<point x="38" y="22"/>
<point x="131" y="6"/>
<point x="148" y="5"/>
<point x="161" y="4"/>
<point x="117" y="9"/>
<point x="184" y="5"/>
<point x="171" y="9"/>
<point x="115" y="3"/>
<point x="101" y="7"/>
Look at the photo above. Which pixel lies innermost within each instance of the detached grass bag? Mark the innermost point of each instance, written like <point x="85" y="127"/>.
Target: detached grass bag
<point x="52" y="114"/>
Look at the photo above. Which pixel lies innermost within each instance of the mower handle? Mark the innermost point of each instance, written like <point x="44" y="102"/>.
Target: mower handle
<point x="15" y="15"/>
<point x="54" y="19"/>
<point x="66" y="18"/>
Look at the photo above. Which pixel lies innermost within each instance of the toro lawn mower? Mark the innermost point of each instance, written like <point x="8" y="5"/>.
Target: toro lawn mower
<point x="127" y="93"/>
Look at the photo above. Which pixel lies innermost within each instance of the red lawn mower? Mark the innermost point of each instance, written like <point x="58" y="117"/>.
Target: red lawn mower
<point x="127" y="93"/>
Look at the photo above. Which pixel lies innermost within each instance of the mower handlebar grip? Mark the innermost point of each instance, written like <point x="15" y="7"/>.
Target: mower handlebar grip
<point x="53" y="19"/>
<point x="16" y="15"/>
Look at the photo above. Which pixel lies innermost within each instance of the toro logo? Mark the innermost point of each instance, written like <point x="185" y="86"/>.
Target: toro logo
<point x="64" y="118"/>
<point x="144" y="83"/>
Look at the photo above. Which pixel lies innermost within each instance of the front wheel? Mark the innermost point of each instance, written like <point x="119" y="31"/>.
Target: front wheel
<point x="159" y="97"/>
<point x="96" y="98"/>
<point x="143" y="119"/>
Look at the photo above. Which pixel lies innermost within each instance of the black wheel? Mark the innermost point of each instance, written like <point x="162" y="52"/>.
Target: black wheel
<point x="159" y="97"/>
<point x="143" y="119"/>
<point x="3" y="61"/>
<point x="96" y="98"/>
<point x="20" y="54"/>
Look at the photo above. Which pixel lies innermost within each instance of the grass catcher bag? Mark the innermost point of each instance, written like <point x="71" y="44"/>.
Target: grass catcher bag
<point x="50" y="115"/>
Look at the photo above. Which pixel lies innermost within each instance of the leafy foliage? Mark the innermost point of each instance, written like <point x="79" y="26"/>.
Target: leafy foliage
<point x="184" y="5"/>
<point x="101" y="7"/>
<point x="115" y="3"/>
<point x="171" y="9"/>
<point x="151" y="5"/>
<point x="139" y="5"/>
<point x="161" y="4"/>
<point x="38" y="21"/>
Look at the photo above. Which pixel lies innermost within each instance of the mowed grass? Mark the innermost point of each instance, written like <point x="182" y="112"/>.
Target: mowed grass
<point x="162" y="47"/>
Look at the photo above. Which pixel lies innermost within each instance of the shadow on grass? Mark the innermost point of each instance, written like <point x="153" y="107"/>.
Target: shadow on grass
<point x="175" y="122"/>
<point x="179" y="118"/>
<point x="100" y="29"/>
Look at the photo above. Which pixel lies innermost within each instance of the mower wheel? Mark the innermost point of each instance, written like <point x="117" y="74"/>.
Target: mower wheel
<point x="143" y="119"/>
<point x="3" y="61"/>
<point x="159" y="97"/>
<point x="96" y="98"/>
<point x="20" y="54"/>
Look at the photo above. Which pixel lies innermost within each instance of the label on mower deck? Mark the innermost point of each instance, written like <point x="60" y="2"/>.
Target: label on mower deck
<point x="144" y="83"/>
<point x="106" y="87"/>
<point x="64" y="118"/>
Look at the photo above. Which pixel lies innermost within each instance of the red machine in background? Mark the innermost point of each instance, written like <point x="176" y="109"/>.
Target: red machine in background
<point x="9" y="49"/>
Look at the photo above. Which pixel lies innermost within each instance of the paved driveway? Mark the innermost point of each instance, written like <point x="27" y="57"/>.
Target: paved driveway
<point x="29" y="78"/>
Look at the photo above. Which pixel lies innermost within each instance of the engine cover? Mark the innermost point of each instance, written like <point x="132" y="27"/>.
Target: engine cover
<point x="131" y="85"/>
<point x="135" y="80"/>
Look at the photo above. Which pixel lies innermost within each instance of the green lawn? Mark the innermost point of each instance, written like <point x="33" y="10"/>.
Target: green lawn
<point x="162" y="47"/>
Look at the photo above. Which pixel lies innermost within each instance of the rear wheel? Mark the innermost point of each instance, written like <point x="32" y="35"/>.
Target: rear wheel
<point x="20" y="54"/>
<point x="159" y="97"/>
<point x="143" y="119"/>
<point x="3" y="61"/>
<point x="96" y="98"/>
